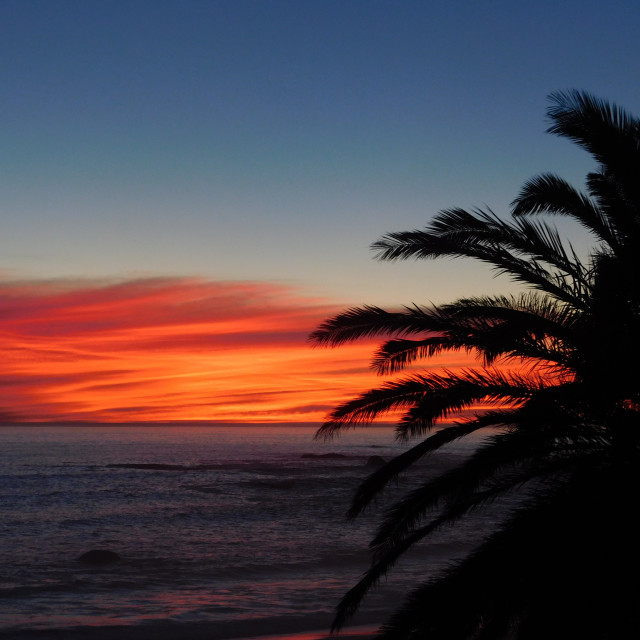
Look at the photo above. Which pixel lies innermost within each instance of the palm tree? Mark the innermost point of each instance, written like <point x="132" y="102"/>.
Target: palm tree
<point x="557" y="369"/>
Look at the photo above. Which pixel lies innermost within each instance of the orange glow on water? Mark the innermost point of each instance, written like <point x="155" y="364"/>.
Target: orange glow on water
<point x="170" y="349"/>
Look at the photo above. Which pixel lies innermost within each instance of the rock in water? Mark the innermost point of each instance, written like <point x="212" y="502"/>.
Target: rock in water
<point x="375" y="462"/>
<point x="99" y="556"/>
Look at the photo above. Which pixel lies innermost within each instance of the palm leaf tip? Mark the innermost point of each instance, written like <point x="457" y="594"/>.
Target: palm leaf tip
<point x="575" y="110"/>
<point x="360" y="322"/>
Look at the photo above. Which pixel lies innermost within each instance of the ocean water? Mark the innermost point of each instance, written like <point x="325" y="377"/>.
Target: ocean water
<point x="223" y="531"/>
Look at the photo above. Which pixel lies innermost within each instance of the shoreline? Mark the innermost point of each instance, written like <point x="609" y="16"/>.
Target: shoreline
<point x="350" y="633"/>
<point x="183" y="631"/>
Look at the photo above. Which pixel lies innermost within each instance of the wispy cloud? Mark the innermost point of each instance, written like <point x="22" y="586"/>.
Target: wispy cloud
<point x="168" y="349"/>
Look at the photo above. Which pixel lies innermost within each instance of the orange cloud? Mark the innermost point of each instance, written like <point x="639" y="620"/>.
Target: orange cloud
<point x="169" y="349"/>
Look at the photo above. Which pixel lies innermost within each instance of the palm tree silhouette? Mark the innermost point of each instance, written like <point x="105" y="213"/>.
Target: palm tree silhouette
<point x="558" y="369"/>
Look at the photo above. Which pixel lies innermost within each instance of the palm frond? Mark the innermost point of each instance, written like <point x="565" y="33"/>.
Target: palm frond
<point x="542" y="241"/>
<point x="622" y="215"/>
<point x="385" y="561"/>
<point x="550" y="194"/>
<point x="370" y="321"/>
<point x="395" y="355"/>
<point x="530" y="311"/>
<point x="386" y="556"/>
<point x="603" y="129"/>
<point x="449" y="393"/>
<point x="517" y="250"/>
<point x="529" y="326"/>
<point x="509" y="459"/>
<point x="607" y="132"/>
<point x="375" y="483"/>
<point x="505" y="583"/>
<point x="429" y="398"/>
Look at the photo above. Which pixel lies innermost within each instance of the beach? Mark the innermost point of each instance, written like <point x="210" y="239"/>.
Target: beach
<point x="204" y="631"/>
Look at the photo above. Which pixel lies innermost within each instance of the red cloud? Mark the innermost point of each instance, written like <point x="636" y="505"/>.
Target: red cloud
<point x="168" y="349"/>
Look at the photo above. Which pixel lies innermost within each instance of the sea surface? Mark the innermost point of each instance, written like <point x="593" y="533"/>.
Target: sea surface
<point x="223" y="531"/>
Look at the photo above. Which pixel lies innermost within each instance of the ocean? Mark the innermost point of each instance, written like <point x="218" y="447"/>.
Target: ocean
<point x="223" y="531"/>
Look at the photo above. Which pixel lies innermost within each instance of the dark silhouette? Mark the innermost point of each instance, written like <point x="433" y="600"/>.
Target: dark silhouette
<point x="558" y="365"/>
<point x="99" y="556"/>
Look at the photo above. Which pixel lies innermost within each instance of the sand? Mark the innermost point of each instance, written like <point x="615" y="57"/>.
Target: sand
<point x="182" y="631"/>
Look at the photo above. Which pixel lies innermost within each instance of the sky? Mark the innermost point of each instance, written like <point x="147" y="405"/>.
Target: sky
<point x="188" y="188"/>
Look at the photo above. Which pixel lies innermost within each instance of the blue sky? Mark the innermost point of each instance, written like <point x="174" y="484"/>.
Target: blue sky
<point x="274" y="141"/>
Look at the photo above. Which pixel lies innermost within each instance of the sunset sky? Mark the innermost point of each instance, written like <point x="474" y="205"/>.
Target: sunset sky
<point x="189" y="188"/>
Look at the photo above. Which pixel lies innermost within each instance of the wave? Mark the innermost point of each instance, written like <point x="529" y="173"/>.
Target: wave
<point x="329" y="456"/>
<point x="160" y="466"/>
